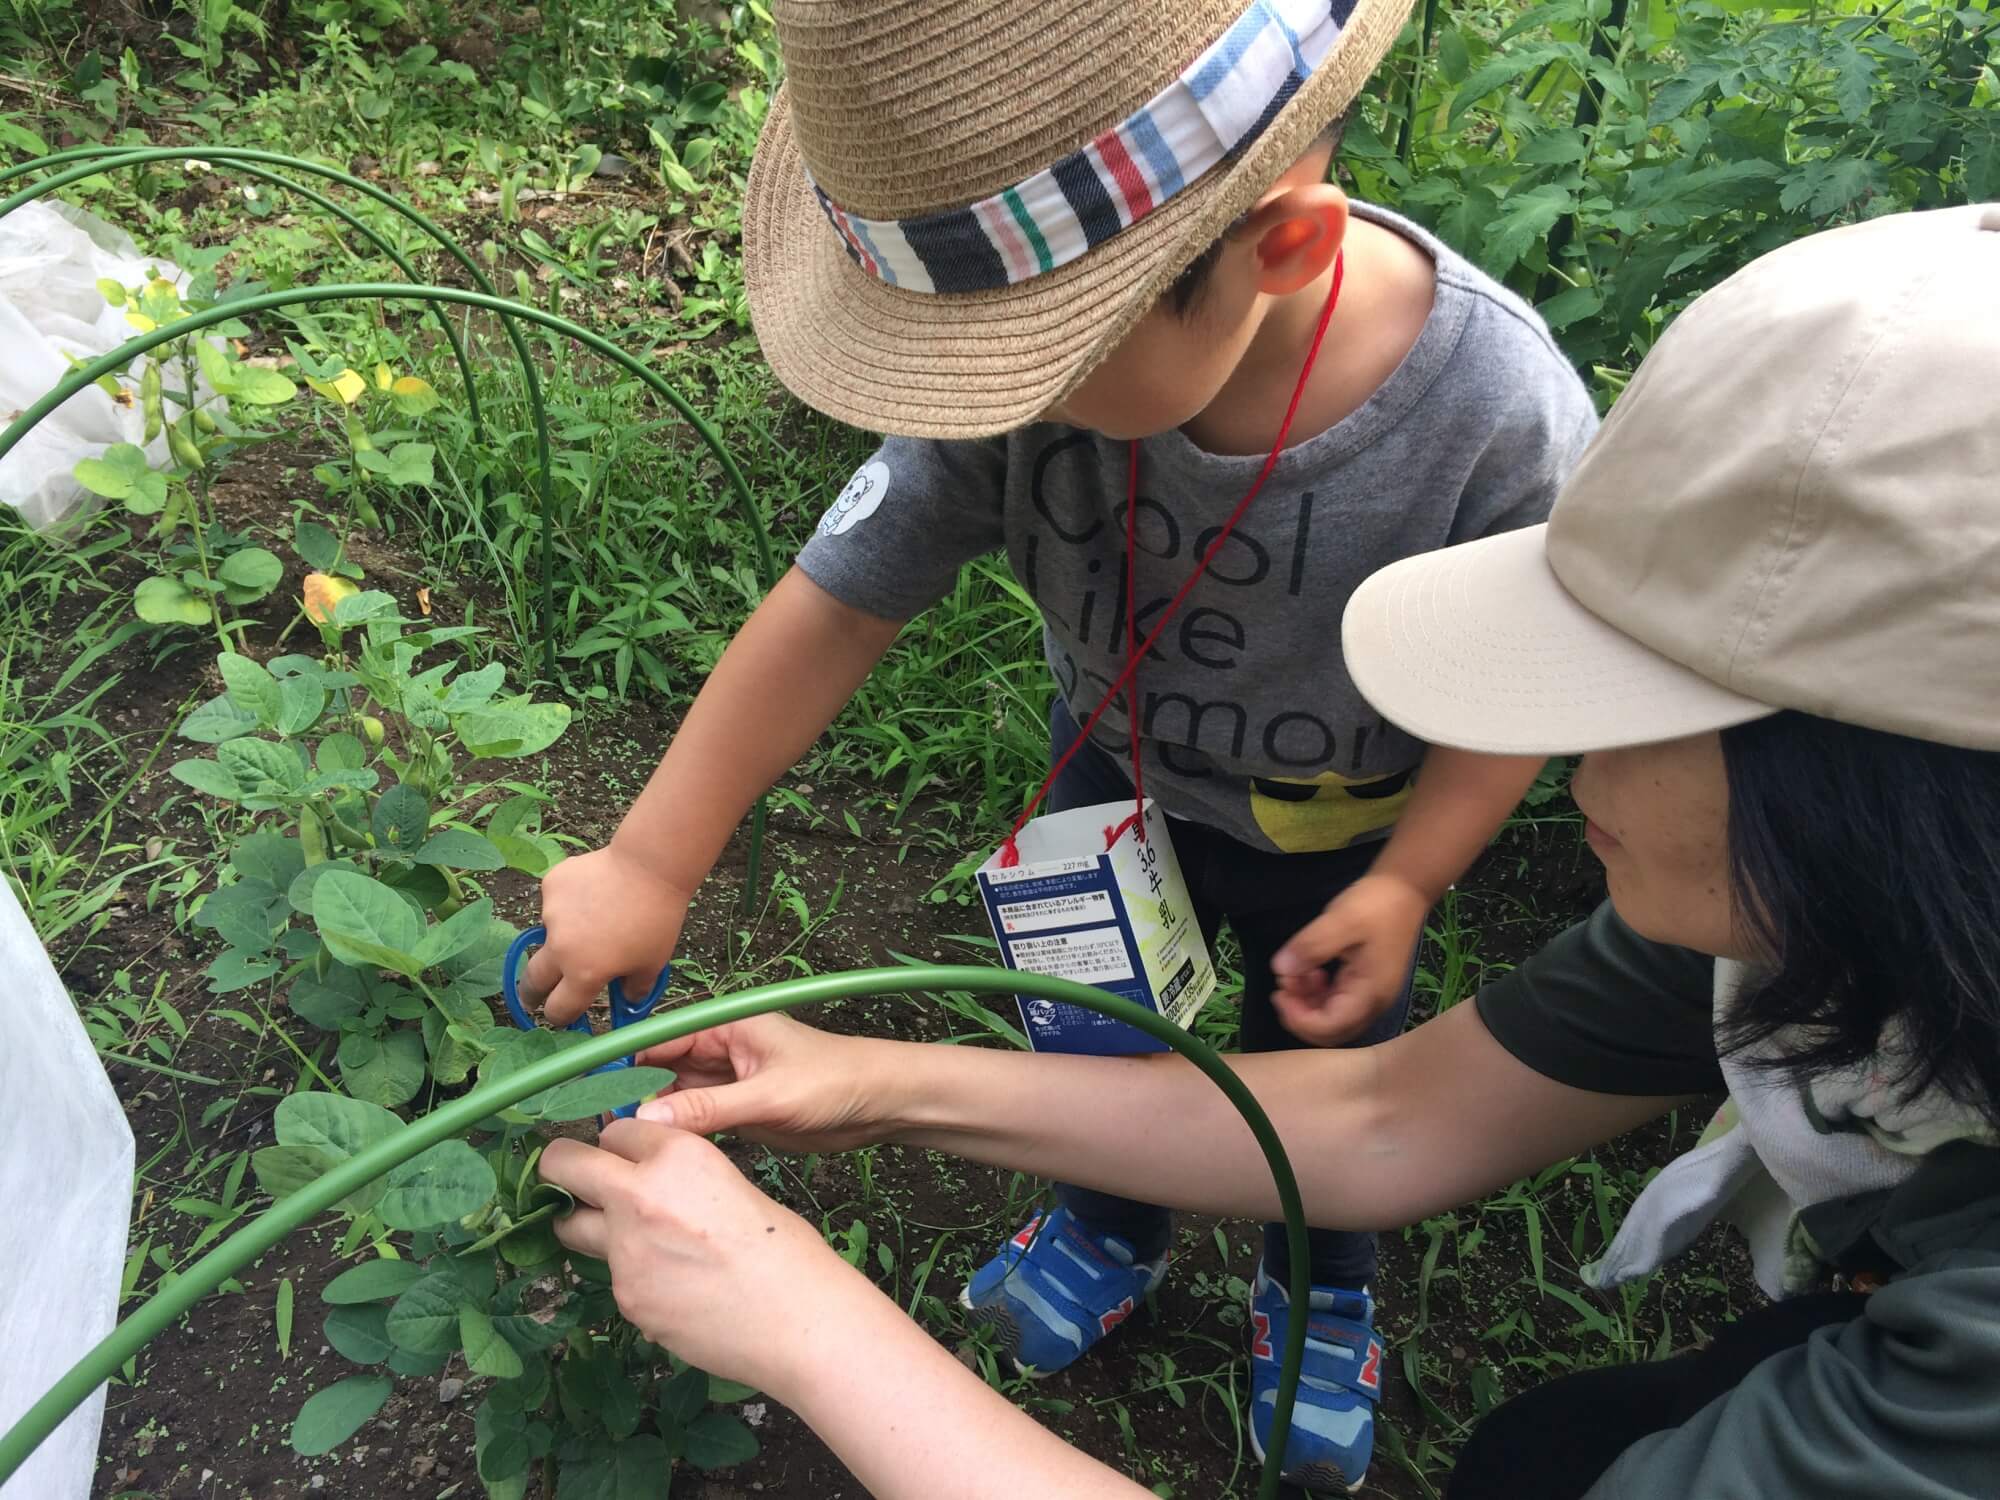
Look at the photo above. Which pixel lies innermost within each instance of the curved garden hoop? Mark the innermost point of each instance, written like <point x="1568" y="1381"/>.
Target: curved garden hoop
<point x="165" y="1308"/>
<point x="487" y="300"/>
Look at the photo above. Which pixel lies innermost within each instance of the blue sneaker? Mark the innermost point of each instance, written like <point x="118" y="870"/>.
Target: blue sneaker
<point x="1333" y="1423"/>
<point x="1058" y="1287"/>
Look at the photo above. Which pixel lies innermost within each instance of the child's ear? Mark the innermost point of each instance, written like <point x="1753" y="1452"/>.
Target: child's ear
<point x="1297" y="232"/>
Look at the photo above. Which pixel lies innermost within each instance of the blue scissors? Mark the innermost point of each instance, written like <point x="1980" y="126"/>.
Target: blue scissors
<point x="623" y="1011"/>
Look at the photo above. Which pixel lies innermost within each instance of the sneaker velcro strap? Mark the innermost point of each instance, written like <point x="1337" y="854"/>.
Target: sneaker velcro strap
<point x="1343" y="1352"/>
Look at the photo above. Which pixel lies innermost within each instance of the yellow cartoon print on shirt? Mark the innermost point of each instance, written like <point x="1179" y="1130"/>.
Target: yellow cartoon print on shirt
<point x="1327" y="812"/>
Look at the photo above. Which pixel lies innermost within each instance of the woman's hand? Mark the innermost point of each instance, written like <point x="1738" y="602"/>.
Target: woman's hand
<point x="695" y="1251"/>
<point x="781" y="1083"/>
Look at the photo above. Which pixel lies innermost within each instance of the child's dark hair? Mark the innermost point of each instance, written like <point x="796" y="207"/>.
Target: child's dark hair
<point x="1867" y="865"/>
<point x="1188" y="286"/>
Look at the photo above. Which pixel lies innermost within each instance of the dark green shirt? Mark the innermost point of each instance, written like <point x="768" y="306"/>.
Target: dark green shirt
<point x="1904" y="1400"/>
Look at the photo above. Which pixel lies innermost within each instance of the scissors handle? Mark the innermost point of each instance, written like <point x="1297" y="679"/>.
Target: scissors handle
<point x="624" y="1011"/>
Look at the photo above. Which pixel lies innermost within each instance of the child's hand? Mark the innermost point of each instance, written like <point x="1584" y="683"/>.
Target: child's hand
<point x="1371" y="929"/>
<point x="610" y="916"/>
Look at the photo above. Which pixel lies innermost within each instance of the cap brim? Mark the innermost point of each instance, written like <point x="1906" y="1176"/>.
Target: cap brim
<point x="1480" y="647"/>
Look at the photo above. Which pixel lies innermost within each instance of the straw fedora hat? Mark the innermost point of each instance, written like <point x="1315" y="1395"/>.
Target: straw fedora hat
<point x="959" y="207"/>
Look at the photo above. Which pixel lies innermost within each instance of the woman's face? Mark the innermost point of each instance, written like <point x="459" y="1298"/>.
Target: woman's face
<point x="1659" y="820"/>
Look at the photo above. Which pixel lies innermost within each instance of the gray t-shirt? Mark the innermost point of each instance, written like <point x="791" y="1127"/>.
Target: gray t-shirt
<point x="1248" y="721"/>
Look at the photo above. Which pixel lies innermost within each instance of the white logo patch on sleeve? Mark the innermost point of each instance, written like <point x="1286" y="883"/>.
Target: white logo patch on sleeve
<point x="859" y="501"/>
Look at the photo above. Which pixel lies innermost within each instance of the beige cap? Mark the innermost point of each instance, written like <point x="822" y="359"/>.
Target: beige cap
<point x="1795" y="505"/>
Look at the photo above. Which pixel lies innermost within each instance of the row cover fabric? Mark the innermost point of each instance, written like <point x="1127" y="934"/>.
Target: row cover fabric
<point x="66" y="1186"/>
<point x="52" y="256"/>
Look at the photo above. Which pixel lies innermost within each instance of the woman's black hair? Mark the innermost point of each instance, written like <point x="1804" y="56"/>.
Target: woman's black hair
<point x="1188" y="286"/>
<point x="1867" y="866"/>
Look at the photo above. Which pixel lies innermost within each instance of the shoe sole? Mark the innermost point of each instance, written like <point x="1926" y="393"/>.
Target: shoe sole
<point x="1324" y="1478"/>
<point x="1003" y="1323"/>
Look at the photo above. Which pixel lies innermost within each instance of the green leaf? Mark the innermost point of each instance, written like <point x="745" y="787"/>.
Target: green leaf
<point x="516" y="1050"/>
<point x="683" y="1398"/>
<point x="600" y="1093"/>
<point x="366" y="924"/>
<point x="515" y="727"/>
<point x="168" y="601"/>
<point x="385" y="1070"/>
<point x="253" y="570"/>
<point x="425" y="1318"/>
<point x="286" y="1294"/>
<point x="248" y="915"/>
<point x="373" y="1281"/>
<point x="402" y="818"/>
<point x="413" y="397"/>
<point x="454" y="935"/>
<point x="470" y="690"/>
<point x="261" y="768"/>
<point x="283" y="1170"/>
<point x="1571" y="306"/>
<point x="500" y="1443"/>
<point x="331" y="1003"/>
<point x="460" y="850"/>
<point x="261" y="386"/>
<point x="318" y="546"/>
<point x="303" y="701"/>
<point x="634" y="1469"/>
<point x="1454" y="57"/>
<point x="236" y="970"/>
<point x="532" y="1335"/>
<point x="339" y="1127"/>
<point x="207" y="777"/>
<point x="718" y="1440"/>
<point x="300" y="892"/>
<point x="407" y="464"/>
<point x="123" y="474"/>
<point x="217" y="720"/>
<point x="341" y="752"/>
<point x="360" y="1334"/>
<point x="486" y="1353"/>
<point x="439" y="1186"/>
<point x="335" y="1414"/>
<point x="358" y="609"/>
<point x="269" y="857"/>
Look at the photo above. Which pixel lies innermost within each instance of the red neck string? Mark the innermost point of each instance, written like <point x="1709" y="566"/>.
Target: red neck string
<point x="1135" y="650"/>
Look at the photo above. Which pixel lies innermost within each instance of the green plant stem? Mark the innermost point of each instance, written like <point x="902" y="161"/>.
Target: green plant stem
<point x="1605" y="42"/>
<point x="161" y="1068"/>
<point x="1405" y="142"/>
<point x="161" y="1311"/>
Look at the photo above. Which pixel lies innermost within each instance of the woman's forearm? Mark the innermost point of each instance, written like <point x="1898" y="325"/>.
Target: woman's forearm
<point x="1378" y="1136"/>
<point x="921" y="1425"/>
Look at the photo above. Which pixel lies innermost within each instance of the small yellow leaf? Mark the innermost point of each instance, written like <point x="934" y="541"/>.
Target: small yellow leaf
<point x="383" y="377"/>
<point x="413" y="396"/>
<point x="323" y="593"/>
<point x="424" y="602"/>
<point x="346" y="387"/>
<point x="141" y="322"/>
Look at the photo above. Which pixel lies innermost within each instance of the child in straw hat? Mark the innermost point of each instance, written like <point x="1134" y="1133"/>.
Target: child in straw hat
<point x="1083" y="260"/>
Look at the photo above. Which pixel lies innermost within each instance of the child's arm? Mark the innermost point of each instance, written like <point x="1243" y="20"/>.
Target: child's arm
<point x="616" y="913"/>
<point x="1372" y="927"/>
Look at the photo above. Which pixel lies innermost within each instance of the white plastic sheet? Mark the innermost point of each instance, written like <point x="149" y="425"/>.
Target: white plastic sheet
<point x="65" y="1206"/>
<point x="51" y="257"/>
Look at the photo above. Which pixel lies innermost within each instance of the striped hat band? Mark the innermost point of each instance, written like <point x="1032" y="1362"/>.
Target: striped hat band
<point x="1221" y="103"/>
